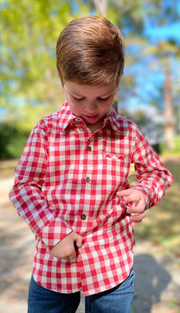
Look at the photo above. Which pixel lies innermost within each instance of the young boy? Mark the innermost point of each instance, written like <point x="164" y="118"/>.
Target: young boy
<point x="71" y="181"/>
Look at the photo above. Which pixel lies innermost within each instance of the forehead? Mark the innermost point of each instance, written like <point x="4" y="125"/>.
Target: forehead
<point x="89" y="90"/>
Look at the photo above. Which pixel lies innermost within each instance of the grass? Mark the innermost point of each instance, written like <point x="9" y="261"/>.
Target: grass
<point x="161" y="224"/>
<point x="174" y="303"/>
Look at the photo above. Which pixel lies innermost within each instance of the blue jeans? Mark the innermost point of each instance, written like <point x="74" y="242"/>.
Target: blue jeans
<point x="115" y="300"/>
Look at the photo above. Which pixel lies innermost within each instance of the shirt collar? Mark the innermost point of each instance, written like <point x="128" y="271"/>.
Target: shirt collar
<point x="115" y="120"/>
<point x="66" y="117"/>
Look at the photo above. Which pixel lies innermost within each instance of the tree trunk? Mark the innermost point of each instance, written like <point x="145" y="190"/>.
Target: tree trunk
<point x="101" y="6"/>
<point x="168" y="112"/>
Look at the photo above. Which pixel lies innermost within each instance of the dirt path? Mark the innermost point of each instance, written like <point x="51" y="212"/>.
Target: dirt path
<point x="157" y="285"/>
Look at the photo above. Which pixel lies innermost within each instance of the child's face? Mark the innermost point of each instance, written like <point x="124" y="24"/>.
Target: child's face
<point x="89" y="102"/>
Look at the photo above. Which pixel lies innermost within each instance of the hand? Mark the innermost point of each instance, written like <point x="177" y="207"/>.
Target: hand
<point x="65" y="249"/>
<point x="137" y="200"/>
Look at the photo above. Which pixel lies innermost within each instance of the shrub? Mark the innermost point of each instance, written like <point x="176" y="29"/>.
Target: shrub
<point x="12" y="140"/>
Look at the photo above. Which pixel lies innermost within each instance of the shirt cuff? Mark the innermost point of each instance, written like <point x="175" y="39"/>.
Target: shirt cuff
<point x="148" y="194"/>
<point x="54" y="232"/>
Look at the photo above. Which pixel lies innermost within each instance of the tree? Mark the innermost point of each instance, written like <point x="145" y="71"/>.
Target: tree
<point x="165" y="13"/>
<point x="168" y="107"/>
<point x="29" y="32"/>
<point x="100" y="6"/>
<point x="129" y="15"/>
<point x="125" y="14"/>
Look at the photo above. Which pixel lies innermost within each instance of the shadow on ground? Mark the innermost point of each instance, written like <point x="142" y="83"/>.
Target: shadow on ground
<point x="151" y="280"/>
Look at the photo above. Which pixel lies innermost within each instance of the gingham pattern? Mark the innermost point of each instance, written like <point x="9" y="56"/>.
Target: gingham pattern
<point x="66" y="171"/>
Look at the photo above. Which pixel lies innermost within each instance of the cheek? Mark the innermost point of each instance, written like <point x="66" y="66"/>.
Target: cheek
<point x="75" y="107"/>
<point x="68" y="99"/>
<point x="106" y="107"/>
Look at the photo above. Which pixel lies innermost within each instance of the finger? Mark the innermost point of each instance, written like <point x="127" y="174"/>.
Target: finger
<point x="131" y="198"/>
<point x="137" y="218"/>
<point x="78" y="241"/>
<point x="71" y="256"/>
<point x="129" y="195"/>
<point x="79" y="244"/>
<point x="125" y="192"/>
<point x="136" y="208"/>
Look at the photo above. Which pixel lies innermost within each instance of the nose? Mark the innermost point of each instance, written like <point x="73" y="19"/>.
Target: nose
<point x="91" y="107"/>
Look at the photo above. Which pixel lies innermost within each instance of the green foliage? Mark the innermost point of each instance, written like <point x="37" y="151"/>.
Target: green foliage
<point x="28" y="35"/>
<point x="12" y="140"/>
<point x="29" y="31"/>
<point x="176" y="150"/>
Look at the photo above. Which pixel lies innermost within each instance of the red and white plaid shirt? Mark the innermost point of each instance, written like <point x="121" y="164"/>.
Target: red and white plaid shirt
<point x="67" y="179"/>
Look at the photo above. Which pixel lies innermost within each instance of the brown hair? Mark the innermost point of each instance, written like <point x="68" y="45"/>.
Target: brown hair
<point x="90" y="50"/>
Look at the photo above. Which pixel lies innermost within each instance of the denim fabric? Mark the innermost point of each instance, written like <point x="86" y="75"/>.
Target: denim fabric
<point x="42" y="300"/>
<point x="116" y="300"/>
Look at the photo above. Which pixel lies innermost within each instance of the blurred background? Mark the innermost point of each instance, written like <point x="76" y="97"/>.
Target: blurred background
<point x="29" y="84"/>
<point x="149" y="94"/>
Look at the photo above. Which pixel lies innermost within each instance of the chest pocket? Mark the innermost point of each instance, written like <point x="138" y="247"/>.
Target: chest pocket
<point x="113" y="168"/>
<point x="125" y="157"/>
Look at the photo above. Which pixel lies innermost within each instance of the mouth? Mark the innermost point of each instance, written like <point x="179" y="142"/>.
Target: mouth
<point x="91" y="117"/>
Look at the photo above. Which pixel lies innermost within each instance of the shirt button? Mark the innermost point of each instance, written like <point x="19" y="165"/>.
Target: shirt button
<point x="89" y="148"/>
<point x="87" y="179"/>
<point x="83" y="217"/>
<point x="78" y="122"/>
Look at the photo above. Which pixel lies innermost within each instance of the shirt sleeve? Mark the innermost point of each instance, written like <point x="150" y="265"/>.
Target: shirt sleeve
<point x="153" y="178"/>
<point x="27" y="196"/>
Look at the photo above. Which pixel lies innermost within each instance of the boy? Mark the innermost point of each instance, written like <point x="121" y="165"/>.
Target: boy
<point x="71" y="181"/>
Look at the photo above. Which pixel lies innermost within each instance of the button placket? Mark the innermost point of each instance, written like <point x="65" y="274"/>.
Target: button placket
<point x="88" y="186"/>
<point x="78" y="122"/>
<point x="89" y="148"/>
<point x="87" y="179"/>
<point x="83" y="217"/>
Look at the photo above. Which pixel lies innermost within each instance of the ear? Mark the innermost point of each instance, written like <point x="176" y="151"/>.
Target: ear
<point x="62" y="84"/>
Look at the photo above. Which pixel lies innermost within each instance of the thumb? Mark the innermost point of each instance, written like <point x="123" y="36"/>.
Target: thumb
<point x="79" y="241"/>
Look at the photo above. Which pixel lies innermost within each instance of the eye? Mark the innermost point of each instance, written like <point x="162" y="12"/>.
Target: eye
<point x="103" y="99"/>
<point x="78" y="99"/>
